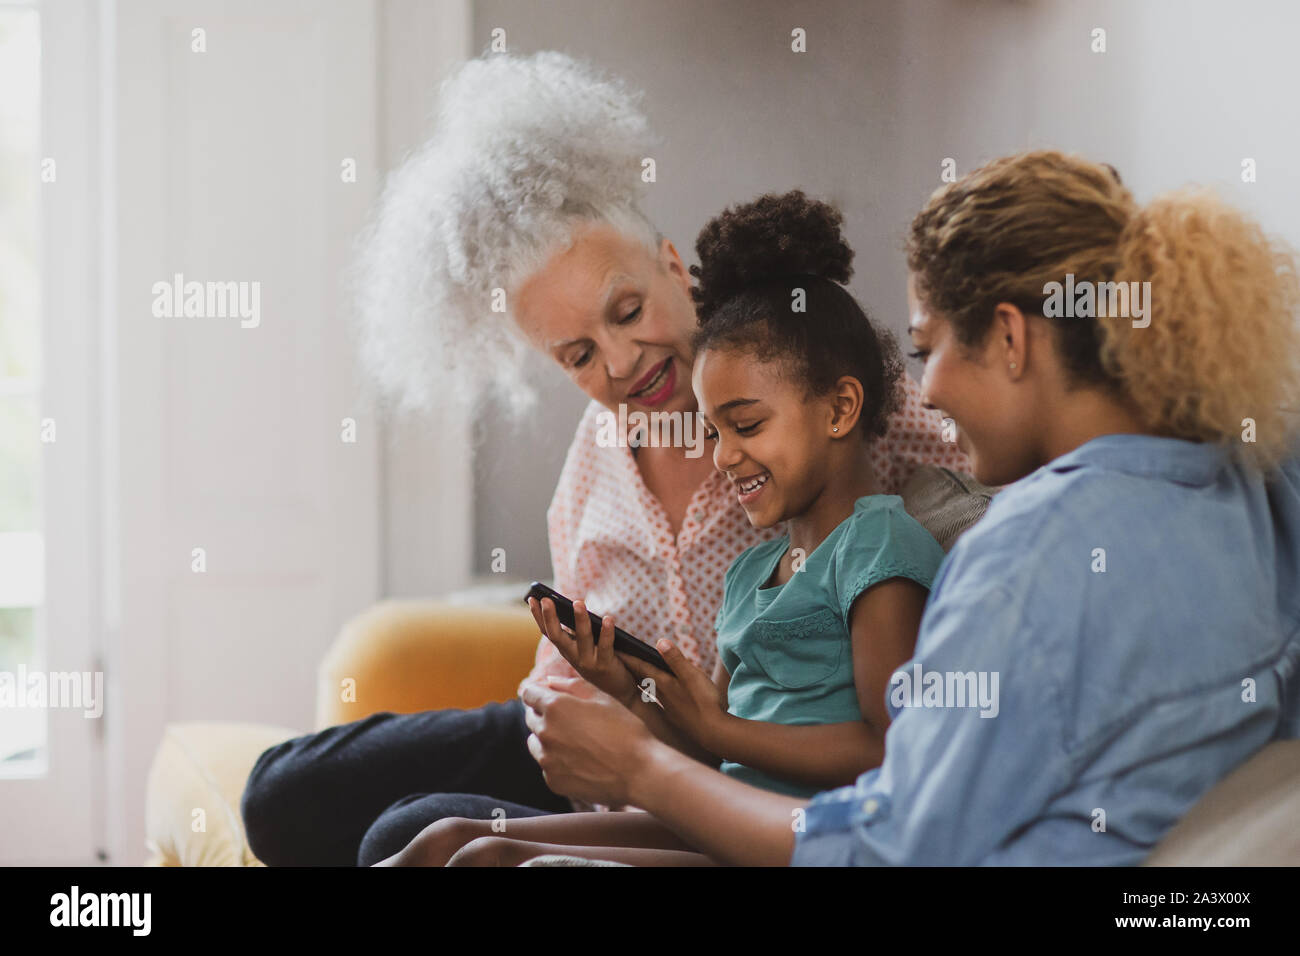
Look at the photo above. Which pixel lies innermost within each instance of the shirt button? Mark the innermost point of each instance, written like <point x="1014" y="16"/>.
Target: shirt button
<point x="870" y="807"/>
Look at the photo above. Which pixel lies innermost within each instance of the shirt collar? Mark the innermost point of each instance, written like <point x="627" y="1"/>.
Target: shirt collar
<point x="1148" y="456"/>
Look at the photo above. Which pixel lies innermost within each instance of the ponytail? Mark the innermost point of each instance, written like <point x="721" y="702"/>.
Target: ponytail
<point x="1220" y="359"/>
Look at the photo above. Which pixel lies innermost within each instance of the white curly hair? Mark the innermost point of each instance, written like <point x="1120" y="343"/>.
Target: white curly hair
<point x="524" y="149"/>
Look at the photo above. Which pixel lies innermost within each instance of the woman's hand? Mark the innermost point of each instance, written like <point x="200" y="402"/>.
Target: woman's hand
<point x="588" y="749"/>
<point x="567" y="685"/>
<point x="690" y="699"/>
<point x="553" y="665"/>
<point x="594" y="659"/>
<point x="597" y="750"/>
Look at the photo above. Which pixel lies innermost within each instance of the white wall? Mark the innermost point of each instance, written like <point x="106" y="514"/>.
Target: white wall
<point x="427" y="464"/>
<point x="1185" y="91"/>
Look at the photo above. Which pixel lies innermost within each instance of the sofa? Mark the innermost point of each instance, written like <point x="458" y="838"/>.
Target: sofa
<point x="403" y="656"/>
<point x="406" y="656"/>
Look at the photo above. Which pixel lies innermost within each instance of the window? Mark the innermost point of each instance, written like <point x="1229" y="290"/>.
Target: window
<point x="23" y="731"/>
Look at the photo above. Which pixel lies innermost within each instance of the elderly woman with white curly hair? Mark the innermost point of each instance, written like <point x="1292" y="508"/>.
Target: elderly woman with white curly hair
<point x="529" y="195"/>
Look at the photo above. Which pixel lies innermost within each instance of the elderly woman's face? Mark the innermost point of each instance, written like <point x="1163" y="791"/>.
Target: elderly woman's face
<point x="617" y="319"/>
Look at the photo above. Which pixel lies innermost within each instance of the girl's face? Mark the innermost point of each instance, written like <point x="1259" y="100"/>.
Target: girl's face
<point x="616" y="319"/>
<point x="972" y="387"/>
<point x="770" y="439"/>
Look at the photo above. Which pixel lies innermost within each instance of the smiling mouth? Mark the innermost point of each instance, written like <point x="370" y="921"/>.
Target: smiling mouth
<point x="654" y="383"/>
<point x="748" y="489"/>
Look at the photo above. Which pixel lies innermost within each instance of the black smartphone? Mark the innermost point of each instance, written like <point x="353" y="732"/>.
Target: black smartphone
<point x="624" y="642"/>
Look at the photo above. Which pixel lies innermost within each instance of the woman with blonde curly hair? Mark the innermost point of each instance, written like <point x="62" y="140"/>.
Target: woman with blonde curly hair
<point x="519" y="226"/>
<point x="1122" y="629"/>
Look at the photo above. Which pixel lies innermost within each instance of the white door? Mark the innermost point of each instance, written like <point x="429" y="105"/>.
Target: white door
<point x="248" y="527"/>
<point x="237" y="523"/>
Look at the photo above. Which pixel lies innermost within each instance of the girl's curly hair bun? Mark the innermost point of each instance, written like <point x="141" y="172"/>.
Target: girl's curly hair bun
<point x="775" y="235"/>
<point x="754" y="259"/>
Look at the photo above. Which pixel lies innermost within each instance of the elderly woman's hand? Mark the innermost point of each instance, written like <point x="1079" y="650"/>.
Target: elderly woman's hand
<point x="588" y="749"/>
<point x="594" y="660"/>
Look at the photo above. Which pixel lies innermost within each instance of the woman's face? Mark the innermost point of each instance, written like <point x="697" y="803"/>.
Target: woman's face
<point x="973" y="388"/>
<point x="617" y="319"/>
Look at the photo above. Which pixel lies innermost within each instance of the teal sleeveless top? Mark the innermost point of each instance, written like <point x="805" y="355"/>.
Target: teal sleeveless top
<point x="788" y="648"/>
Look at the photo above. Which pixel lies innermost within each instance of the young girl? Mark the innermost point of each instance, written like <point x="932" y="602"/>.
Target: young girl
<point x="793" y="383"/>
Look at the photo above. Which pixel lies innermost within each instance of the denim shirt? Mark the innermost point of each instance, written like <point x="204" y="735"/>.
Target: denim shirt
<point x="1135" y="605"/>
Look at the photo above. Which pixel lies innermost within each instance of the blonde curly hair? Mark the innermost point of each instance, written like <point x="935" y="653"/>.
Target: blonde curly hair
<point x="1223" y="340"/>
<point x="525" y="149"/>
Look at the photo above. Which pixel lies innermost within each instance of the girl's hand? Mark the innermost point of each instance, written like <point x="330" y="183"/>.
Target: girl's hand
<point x="689" y="697"/>
<point x="594" y="660"/>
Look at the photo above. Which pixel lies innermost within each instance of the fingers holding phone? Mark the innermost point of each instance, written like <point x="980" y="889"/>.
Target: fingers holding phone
<point x="592" y="657"/>
<point x="690" y="699"/>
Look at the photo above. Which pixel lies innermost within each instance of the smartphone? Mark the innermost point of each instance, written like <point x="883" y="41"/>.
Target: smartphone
<point x="624" y="642"/>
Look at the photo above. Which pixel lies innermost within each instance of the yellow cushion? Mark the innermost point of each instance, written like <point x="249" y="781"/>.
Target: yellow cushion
<point x="195" y="783"/>
<point x="401" y="656"/>
<point x="407" y="656"/>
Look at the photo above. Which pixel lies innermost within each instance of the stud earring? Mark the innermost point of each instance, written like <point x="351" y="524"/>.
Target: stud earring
<point x="835" y="428"/>
<point x="1013" y="365"/>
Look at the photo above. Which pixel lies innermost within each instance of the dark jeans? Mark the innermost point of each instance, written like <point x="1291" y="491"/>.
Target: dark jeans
<point x="357" y="793"/>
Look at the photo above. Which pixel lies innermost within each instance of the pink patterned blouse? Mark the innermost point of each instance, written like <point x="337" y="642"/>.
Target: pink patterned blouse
<point x="612" y="545"/>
